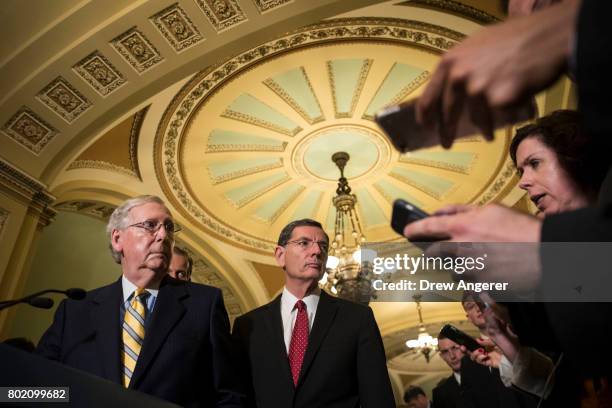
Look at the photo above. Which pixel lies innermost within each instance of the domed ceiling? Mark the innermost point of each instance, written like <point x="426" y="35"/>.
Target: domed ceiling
<point x="246" y="147"/>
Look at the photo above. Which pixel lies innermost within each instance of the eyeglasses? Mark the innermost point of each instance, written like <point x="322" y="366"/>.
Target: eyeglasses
<point x="152" y="226"/>
<point x="453" y="349"/>
<point x="305" y="244"/>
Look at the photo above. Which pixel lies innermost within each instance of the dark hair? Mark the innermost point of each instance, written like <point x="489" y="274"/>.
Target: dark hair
<point x="285" y="234"/>
<point x="467" y="296"/>
<point x="412" y="392"/>
<point x="441" y="336"/>
<point x="180" y="251"/>
<point x="577" y="155"/>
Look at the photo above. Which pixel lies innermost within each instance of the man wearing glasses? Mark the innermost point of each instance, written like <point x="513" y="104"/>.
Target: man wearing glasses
<point x="307" y="348"/>
<point x="147" y="332"/>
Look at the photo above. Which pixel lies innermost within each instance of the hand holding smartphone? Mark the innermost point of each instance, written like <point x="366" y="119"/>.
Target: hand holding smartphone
<point x="400" y="125"/>
<point x="451" y="332"/>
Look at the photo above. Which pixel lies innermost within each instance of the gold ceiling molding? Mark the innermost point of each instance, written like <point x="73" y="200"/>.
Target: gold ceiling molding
<point x="457" y="168"/>
<point x="62" y="98"/>
<point x="101" y="165"/>
<point x="97" y="71"/>
<point x="137" y="50"/>
<point x="277" y="89"/>
<point x="266" y="5"/>
<point x="404" y="92"/>
<point x="28" y="191"/>
<point x="222" y="14"/>
<point x="502" y="179"/>
<point x="29" y="130"/>
<point x="455" y="8"/>
<point x="176" y="27"/>
<point x="244" y="172"/>
<point x="139" y="118"/>
<point x="97" y="210"/>
<point x="176" y="119"/>
<point x="363" y="74"/>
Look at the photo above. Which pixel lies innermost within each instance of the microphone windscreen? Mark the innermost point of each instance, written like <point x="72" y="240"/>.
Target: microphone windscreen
<point x="41" y="302"/>
<point x="76" y="293"/>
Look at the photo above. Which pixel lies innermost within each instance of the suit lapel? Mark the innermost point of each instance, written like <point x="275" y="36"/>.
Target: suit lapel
<point x="106" y="320"/>
<point x="326" y="312"/>
<point x="275" y="327"/>
<point x="167" y="312"/>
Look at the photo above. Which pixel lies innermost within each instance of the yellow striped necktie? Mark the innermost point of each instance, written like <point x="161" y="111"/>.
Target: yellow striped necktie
<point x="133" y="333"/>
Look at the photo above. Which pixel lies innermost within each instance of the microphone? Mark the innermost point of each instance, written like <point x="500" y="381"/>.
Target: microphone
<point x="43" y="302"/>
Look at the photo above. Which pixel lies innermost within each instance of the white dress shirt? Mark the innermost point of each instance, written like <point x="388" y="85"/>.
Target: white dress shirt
<point x="289" y="311"/>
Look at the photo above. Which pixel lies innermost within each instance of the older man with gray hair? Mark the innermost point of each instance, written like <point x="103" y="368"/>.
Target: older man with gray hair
<point x="148" y="332"/>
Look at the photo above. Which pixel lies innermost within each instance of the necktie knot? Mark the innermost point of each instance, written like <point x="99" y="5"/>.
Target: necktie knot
<point x="300" y="305"/>
<point x="141" y="295"/>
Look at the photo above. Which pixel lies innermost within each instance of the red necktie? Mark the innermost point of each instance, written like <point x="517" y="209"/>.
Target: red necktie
<point x="299" y="341"/>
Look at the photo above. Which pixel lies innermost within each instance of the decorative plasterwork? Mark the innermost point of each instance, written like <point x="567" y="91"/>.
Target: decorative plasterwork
<point x="453" y="7"/>
<point x="363" y="74"/>
<point x="222" y="14"/>
<point x="98" y="72"/>
<point x="500" y="184"/>
<point x="286" y="96"/>
<point x="64" y="99"/>
<point x="176" y="27"/>
<point x="267" y="5"/>
<point x="28" y="191"/>
<point x="101" y="165"/>
<point x="29" y="130"/>
<point x="457" y="168"/>
<point x="134" y="136"/>
<point x="218" y="148"/>
<point x="93" y="209"/>
<point x="137" y="50"/>
<point x="432" y="38"/>
<point x="244" y="172"/>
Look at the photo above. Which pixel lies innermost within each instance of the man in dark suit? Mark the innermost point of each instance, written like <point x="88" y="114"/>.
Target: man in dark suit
<point x="448" y="393"/>
<point x="147" y="331"/>
<point x="306" y="348"/>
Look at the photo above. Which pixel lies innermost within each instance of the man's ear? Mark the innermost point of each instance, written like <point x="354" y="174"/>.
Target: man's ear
<point x="279" y="255"/>
<point x="117" y="240"/>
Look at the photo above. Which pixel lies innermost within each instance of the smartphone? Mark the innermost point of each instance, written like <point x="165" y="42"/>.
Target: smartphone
<point x="451" y="332"/>
<point x="403" y="214"/>
<point x="400" y="125"/>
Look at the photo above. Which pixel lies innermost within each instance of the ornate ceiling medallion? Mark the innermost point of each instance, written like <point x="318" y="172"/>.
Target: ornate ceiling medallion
<point x="251" y="131"/>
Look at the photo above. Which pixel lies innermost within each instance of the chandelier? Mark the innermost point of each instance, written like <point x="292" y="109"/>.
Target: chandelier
<point x="346" y="276"/>
<point x="424" y="343"/>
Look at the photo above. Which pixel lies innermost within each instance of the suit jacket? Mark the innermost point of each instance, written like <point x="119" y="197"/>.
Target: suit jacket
<point x="344" y="364"/>
<point x="448" y="394"/>
<point x="593" y="63"/>
<point x="185" y="355"/>
<point x="480" y="387"/>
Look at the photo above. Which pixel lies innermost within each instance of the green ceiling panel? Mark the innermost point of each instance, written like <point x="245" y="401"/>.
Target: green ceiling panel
<point x="347" y="77"/>
<point x="294" y="88"/>
<point x="227" y="141"/>
<point x="432" y="185"/>
<point x="392" y="192"/>
<point x="370" y="210"/>
<point x="247" y="108"/>
<point x="359" y="146"/>
<point x="400" y="81"/>
<point x="229" y="170"/>
<point x="275" y="206"/>
<point x="309" y="205"/>
<point x="244" y="194"/>
<point x="455" y="161"/>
